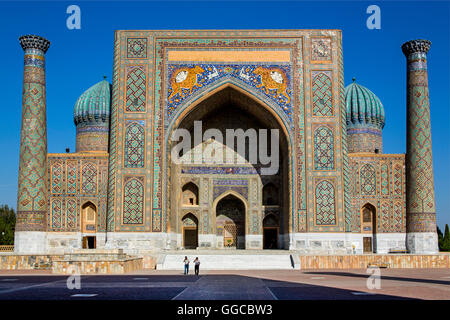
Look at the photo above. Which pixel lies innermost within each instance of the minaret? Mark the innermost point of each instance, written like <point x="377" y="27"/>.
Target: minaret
<point x="421" y="236"/>
<point x="32" y="193"/>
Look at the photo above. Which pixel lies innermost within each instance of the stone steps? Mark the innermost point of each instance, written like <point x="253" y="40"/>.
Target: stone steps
<point x="230" y="261"/>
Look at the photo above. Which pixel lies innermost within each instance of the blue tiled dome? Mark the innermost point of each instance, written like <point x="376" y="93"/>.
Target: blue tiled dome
<point x="364" y="109"/>
<point x="93" y="106"/>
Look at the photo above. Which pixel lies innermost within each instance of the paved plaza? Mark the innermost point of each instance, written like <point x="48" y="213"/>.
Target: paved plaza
<point x="395" y="284"/>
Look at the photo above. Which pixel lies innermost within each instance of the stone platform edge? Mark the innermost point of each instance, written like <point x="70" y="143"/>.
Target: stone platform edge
<point x="11" y="261"/>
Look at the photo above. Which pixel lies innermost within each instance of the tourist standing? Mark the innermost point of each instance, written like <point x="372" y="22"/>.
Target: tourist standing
<point x="186" y="265"/>
<point x="197" y="265"/>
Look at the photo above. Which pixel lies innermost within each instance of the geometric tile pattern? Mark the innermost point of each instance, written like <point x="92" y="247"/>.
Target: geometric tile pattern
<point x="94" y="180"/>
<point x="72" y="177"/>
<point x="323" y="149"/>
<point x="383" y="217"/>
<point x="133" y="200"/>
<point x="397" y="181"/>
<point x="71" y="214"/>
<point x="389" y="204"/>
<point x="89" y="178"/>
<point x="134" y="153"/>
<point x="136" y="89"/>
<point x="56" y="213"/>
<point x="137" y="48"/>
<point x="57" y="177"/>
<point x="32" y="201"/>
<point x="419" y="159"/>
<point x="322" y="96"/>
<point x="325" y="203"/>
<point x="368" y="180"/>
<point x="384" y="175"/>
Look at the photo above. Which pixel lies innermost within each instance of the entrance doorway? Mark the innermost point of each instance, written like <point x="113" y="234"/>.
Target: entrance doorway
<point x="368" y="226"/>
<point x="367" y="244"/>
<point x="190" y="231"/>
<point x="230" y="221"/>
<point x="89" y="242"/>
<point x="270" y="232"/>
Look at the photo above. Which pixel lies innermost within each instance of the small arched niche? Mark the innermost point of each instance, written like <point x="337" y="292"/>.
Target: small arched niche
<point x="190" y="194"/>
<point x="270" y="195"/>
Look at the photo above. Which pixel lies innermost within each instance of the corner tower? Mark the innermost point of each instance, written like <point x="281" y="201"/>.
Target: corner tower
<point x="421" y="234"/>
<point x="365" y="119"/>
<point x="91" y="116"/>
<point x="32" y="194"/>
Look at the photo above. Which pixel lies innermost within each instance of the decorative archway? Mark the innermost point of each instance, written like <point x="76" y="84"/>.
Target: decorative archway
<point x="197" y="108"/>
<point x="190" y="231"/>
<point x="230" y="212"/>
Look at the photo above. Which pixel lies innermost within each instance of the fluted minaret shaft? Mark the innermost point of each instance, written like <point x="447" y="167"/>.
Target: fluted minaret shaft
<point x="420" y="201"/>
<point x="32" y="195"/>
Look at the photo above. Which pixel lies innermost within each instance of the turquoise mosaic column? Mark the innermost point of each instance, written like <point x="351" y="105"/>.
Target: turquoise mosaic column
<point x="32" y="194"/>
<point x="421" y="234"/>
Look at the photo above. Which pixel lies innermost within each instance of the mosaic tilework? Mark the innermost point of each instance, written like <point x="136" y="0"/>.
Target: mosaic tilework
<point x="189" y="220"/>
<point x="71" y="215"/>
<point x="73" y="196"/>
<point x="72" y="177"/>
<point x="112" y="163"/>
<point x="383" y="217"/>
<point x="57" y="178"/>
<point x="389" y="204"/>
<point x="56" y="214"/>
<point x="136" y="89"/>
<point x="221" y="170"/>
<point x="89" y="178"/>
<point x="156" y="64"/>
<point x="186" y="79"/>
<point x="384" y="177"/>
<point x="325" y="203"/>
<point x="322" y="95"/>
<point x="32" y="194"/>
<point x="323" y="148"/>
<point x="134" y="154"/>
<point x="368" y="180"/>
<point x="321" y="49"/>
<point x="133" y="200"/>
<point x="397" y="183"/>
<point x="136" y="48"/>
<point x="421" y="207"/>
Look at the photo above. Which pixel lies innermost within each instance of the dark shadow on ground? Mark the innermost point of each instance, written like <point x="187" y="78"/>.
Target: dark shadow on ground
<point x="167" y="287"/>
<point x="356" y="275"/>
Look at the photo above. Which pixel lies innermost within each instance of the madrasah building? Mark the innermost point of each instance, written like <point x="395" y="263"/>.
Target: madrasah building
<point x="334" y="190"/>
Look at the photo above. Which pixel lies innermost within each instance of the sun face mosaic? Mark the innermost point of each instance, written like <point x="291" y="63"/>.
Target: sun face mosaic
<point x="273" y="81"/>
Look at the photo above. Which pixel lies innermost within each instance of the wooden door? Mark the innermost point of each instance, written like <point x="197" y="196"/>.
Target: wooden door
<point x="367" y="244"/>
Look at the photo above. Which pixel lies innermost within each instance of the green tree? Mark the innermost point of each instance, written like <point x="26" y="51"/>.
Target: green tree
<point x="7" y="225"/>
<point x="446" y="240"/>
<point x="440" y="238"/>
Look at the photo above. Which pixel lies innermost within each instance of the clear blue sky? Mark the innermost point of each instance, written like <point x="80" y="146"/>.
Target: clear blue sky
<point x="79" y="58"/>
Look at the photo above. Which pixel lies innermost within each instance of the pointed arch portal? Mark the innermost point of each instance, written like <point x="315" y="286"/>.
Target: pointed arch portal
<point x="229" y="223"/>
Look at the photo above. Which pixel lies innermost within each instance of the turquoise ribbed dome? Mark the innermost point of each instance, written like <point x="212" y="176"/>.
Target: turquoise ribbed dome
<point x="364" y="109"/>
<point x="93" y="106"/>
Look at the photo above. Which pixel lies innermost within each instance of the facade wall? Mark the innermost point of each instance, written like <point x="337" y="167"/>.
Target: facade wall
<point x="75" y="179"/>
<point x="309" y="104"/>
<point x="379" y="180"/>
